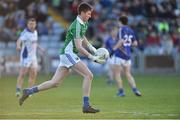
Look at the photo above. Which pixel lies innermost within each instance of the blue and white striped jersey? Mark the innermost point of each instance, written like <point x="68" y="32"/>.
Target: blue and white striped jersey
<point x="29" y="43"/>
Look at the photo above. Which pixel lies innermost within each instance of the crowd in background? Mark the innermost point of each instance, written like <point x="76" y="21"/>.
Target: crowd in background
<point x="14" y="14"/>
<point x="156" y="22"/>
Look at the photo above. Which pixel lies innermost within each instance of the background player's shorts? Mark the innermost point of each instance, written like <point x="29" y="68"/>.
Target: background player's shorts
<point x="110" y="60"/>
<point x="120" y="61"/>
<point x="30" y="63"/>
<point x="68" y="60"/>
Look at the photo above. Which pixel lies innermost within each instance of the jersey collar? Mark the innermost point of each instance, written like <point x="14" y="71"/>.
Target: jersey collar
<point x="29" y="30"/>
<point x="80" y="20"/>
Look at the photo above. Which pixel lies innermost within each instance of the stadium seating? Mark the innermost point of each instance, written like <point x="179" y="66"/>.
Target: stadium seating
<point x="51" y="38"/>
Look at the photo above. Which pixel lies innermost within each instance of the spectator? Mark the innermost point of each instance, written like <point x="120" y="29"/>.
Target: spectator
<point x="167" y="43"/>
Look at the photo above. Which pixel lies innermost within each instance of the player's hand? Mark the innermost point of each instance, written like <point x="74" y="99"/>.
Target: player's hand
<point x="43" y="51"/>
<point x="92" y="49"/>
<point x="18" y="48"/>
<point x="111" y="53"/>
<point x="97" y="59"/>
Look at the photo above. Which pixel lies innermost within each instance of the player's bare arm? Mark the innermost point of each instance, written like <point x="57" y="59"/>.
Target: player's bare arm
<point x="18" y="45"/>
<point x="88" y="45"/>
<point x="85" y="42"/>
<point x="135" y="43"/>
<point x="119" y="46"/>
<point x="81" y="49"/>
<point x="42" y="50"/>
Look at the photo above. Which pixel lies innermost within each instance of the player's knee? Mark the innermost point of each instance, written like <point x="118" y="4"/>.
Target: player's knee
<point x="33" y="76"/>
<point x="22" y="74"/>
<point x="56" y="84"/>
<point x="89" y="76"/>
<point x="128" y="75"/>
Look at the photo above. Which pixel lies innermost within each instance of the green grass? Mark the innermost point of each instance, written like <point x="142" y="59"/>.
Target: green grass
<point x="161" y="99"/>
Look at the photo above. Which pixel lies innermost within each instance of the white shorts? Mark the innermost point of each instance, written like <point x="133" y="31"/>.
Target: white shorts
<point x="28" y="62"/>
<point x="110" y="60"/>
<point x="120" y="61"/>
<point x="68" y="60"/>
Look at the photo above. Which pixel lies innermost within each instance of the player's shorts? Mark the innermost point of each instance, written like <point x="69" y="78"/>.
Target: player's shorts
<point x="68" y="60"/>
<point x="110" y="60"/>
<point x="120" y="61"/>
<point x="28" y="62"/>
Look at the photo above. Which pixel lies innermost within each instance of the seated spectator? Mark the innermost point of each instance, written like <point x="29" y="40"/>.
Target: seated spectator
<point x="153" y="39"/>
<point x="167" y="43"/>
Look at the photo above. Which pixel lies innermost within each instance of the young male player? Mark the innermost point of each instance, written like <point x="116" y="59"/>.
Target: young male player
<point x="122" y="56"/>
<point x="75" y="39"/>
<point x="109" y="43"/>
<point x="28" y="45"/>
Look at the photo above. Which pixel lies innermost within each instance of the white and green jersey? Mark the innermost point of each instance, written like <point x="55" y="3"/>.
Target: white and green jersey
<point x="76" y="30"/>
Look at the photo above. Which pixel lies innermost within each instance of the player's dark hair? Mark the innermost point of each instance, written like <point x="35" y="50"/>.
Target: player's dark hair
<point x="84" y="7"/>
<point x="31" y="19"/>
<point x="123" y="20"/>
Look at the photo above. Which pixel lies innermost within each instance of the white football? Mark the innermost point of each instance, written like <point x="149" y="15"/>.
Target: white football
<point x="103" y="53"/>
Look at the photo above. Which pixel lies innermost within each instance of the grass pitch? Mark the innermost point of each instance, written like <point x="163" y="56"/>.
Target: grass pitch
<point x="161" y="99"/>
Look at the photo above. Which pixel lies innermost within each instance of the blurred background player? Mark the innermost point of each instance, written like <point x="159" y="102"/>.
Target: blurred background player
<point x="122" y="56"/>
<point x="28" y="45"/>
<point x="109" y="43"/>
<point x="75" y="39"/>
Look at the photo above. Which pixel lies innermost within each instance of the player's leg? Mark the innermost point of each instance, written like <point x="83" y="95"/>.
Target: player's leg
<point x="117" y="76"/>
<point x="110" y="75"/>
<point x="54" y="82"/>
<point x="131" y="80"/>
<point x="22" y="72"/>
<point x="83" y="70"/>
<point x="32" y="74"/>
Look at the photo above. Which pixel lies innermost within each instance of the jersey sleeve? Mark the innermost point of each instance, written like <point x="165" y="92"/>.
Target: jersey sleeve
<point x="36" y="35"/>
<point x="120" y="34"/>
<point x="77" y="33"/>
<point x="106" y="43"/>
<point x="23" y="36"/>
<point x="134" y="36"/>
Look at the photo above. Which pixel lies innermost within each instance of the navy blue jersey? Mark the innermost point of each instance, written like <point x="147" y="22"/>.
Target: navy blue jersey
<point x="127" y="35"/>
<point x="110" y="43"/>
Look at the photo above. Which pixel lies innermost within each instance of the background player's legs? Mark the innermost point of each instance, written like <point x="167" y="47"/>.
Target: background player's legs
<point x="117" y="76"/>
<point x="131" y="80"/>
<point x="32" y="76"/>
<point x="22" y="72"/>
<point x="110" y="74"/>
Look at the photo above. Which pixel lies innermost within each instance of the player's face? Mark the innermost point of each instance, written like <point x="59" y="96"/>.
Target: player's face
<point x="114" y="33"/>
<point x="86" y="15"/>
<point x="120" y="24"/>
<point x="32" y="25"/>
